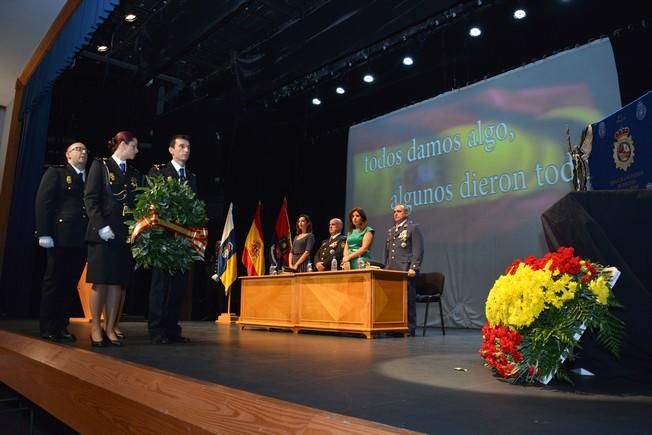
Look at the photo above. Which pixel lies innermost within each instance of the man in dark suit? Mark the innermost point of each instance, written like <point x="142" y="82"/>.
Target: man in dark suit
<point x="166" y="291"/>
<point x="404" y="251"/>
<point x="331" y="247"/>
<point x="61" y="222"/>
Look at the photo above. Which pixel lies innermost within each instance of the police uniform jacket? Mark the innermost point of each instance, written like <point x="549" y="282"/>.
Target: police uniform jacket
<point x="331" y="248"/>
<point x="59" y="207"/>
<point x="108" y="195"/>
<point x="168" y="170"/>
<point x="404" y="247"/>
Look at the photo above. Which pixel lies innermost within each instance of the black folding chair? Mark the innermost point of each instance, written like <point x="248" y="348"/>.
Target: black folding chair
<point x="430" y="287"/>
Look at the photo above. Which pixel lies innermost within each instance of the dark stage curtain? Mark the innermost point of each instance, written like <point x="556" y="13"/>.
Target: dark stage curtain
<point x="612" y="228"/>
<point x="16" y="280"/>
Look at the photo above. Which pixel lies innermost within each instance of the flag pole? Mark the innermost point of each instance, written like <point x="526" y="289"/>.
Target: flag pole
<point x="227" y="317"/>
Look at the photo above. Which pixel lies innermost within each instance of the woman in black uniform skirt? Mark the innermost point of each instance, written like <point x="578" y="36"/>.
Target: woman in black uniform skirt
<point x="109" y="194"/>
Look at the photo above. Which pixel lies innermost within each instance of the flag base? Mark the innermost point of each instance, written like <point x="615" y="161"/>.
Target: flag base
<point x="227" y="318"/>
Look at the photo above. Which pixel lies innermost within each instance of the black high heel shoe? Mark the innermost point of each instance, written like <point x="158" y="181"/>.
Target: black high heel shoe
<point x="100" y="343"/>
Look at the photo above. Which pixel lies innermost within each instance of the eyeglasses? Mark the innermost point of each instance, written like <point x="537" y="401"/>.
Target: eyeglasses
<point x="79" y="149"/>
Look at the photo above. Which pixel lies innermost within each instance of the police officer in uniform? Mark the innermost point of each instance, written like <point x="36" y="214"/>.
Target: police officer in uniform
<point x="60" y="227"/>
<point x="331" y="247"/>
<point x="404" y="251"/>
<point x="166" y="291"/>
<point x="109" y="195"/>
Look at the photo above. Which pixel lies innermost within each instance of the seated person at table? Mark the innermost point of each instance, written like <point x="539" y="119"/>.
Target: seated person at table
<point x="303" y="244"/>
<point x="359" y="240"/>
<point x="333" y="247"/>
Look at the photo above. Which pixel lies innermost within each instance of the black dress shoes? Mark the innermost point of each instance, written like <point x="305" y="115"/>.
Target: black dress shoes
<point x="160" y="340"/>
<point x="179" y="339"/>
<point x="51" y="337"/>
<point x="100" y="343"/>
<point x="68" y="336"/>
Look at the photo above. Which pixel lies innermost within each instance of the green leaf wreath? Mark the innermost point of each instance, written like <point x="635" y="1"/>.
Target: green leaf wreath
<point x="158" y="246"/>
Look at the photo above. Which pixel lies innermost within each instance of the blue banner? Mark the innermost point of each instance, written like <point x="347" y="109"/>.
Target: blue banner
<point x="621" y="156"/>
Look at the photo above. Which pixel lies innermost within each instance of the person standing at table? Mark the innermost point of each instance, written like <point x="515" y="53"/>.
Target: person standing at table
<point x="333" y="247"/>
<point x="359" y="240"/>
<point x="404" y="251"/>
<point x="109" y="196"/>
<point x="61" y="222"/>
<point x="302" y="245"/>
<point x="166" y="291"/>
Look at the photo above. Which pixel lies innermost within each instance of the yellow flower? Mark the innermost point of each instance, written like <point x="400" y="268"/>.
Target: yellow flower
<point x="518" y="299"/>
<point x="600" y="288"/>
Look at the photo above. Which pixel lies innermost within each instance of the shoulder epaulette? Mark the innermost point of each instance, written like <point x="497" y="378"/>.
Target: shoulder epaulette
<point x="159" y="166"/>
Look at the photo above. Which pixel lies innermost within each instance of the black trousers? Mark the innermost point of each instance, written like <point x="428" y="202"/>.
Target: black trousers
<point x="62" y="272"/>
<point x="165" y="299"/>
<point x="412" y="302"/>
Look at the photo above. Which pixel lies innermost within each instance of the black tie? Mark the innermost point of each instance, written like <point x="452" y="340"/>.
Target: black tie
<point x="81" y="176"/>
<point x="123" y="168"/>
<point x="182" y="174"/>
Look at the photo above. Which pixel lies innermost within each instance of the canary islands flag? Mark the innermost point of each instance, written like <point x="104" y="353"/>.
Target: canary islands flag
<point x="253" y="256"/>
<point x="227" y="267"/>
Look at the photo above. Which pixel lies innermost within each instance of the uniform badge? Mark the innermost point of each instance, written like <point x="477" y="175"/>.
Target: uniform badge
<point x="623" y="149"/>
<point x="403" y="237"/>
<point x="125" y="210"/>
<point x="68" y="180"/>
<point x="134" y="182"/>
<point x="111" y="177"/>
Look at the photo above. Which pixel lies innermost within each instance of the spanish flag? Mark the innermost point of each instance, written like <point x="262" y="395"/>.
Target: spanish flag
<point x="283" y="239"/>
<point x="227" y="266"/>
<point x="253" y="256"/>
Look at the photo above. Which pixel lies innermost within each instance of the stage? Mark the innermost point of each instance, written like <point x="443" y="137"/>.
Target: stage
<point x="432" y="384"/>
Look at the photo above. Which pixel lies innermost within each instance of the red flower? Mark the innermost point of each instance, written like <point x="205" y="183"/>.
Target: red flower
<point x="500" y="349"/>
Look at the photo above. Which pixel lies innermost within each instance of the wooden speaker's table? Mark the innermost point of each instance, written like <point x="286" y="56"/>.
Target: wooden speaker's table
<point x="364" y="301"/>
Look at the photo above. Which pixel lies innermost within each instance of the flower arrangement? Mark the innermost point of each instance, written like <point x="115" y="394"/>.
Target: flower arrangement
<point x="537" y="311"/>
<point x="167" y="230"/>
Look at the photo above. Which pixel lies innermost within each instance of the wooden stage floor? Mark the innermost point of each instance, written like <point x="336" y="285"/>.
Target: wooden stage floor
<point x="432" y="384"/>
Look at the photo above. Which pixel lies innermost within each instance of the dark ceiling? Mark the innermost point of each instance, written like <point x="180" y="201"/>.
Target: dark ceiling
<point x="239" y="75"/>
<point x="278" y="54"/>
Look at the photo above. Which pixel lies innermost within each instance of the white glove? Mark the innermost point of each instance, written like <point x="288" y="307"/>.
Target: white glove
<point x="106" y="233"/>
<point x="46" y="242"/>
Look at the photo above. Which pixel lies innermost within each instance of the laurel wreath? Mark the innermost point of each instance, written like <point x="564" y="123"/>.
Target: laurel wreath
<point x="175" y="202"/>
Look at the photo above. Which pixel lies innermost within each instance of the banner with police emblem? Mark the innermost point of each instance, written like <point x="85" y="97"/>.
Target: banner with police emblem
<point x="621" y="156"/>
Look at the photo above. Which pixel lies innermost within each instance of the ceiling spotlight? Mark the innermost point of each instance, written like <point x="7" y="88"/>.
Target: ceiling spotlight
<point x="102" y="48"/>
<point x="340" y="90"/>
<point x="407" y="61"/>
<point x="316" y="101"/>
<point x="475" y="32"/>
<point x="130" y="18"/>
<point x="519" y="14"/>
<point x="368" y="78"/>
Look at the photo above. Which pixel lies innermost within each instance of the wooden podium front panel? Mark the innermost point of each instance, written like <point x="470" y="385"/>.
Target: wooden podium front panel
<point x="267" y="301"/>
<point x="389" y="302"/>
<point x="334" y="300"/>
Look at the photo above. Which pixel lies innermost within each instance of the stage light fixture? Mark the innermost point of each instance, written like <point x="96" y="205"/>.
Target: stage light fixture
<point x="408" y="61"/>
<point x="102" y="48"/>
<point x="368" y="78"/>
<point x="316" y="101"/>
<point x="130" y="18"/>
<point x="519" y="14"/>
<point x="475" y="32"/>
<point x="340" y="90"/>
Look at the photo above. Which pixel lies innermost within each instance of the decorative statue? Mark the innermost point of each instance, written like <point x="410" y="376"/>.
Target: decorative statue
<point x="580" y="156"/>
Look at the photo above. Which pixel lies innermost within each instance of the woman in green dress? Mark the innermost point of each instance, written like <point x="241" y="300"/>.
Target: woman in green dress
<point x="359" y="240"/>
